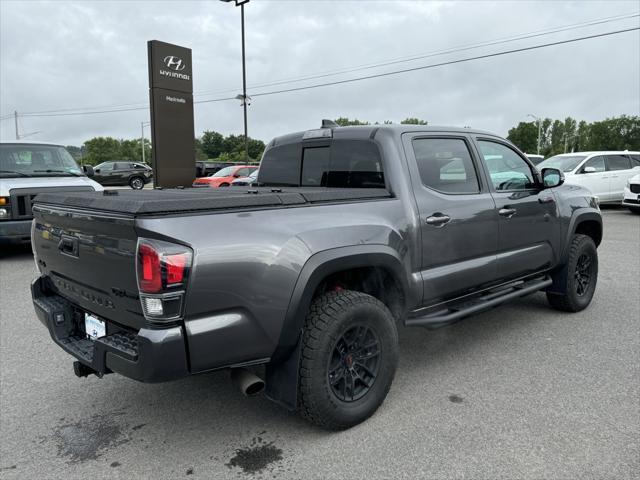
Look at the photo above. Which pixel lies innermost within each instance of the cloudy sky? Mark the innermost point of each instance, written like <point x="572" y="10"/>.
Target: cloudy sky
<point x="67" y="57"/>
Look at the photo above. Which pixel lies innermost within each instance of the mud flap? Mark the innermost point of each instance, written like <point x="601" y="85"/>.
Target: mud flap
<point x="282" y="380"/>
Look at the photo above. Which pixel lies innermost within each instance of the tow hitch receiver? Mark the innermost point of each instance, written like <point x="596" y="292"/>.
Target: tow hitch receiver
<point x="81" y="370"/>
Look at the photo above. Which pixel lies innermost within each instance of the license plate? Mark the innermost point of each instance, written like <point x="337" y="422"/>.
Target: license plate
<point x="95" y="328"/>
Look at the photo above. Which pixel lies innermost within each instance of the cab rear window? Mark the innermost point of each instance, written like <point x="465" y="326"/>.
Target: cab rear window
<point x="338" y="164"/>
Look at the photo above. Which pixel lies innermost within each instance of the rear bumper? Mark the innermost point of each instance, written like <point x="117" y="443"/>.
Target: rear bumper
<point x="147" y="355"/>
<point x="15" y="231"/>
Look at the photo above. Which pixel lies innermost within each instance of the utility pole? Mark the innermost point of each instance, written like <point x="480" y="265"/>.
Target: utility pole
<point x="142" y="139"/>
<point x="539" y="121"/>
<point x="15" y="119"/>
<point x="243" y="97"/>
<point x="244" y="88"/>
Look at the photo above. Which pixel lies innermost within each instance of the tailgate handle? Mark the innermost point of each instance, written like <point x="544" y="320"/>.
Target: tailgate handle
<point x="68" y="245"/>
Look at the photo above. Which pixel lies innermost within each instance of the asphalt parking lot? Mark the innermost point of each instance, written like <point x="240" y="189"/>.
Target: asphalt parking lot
<point x="518" y="392"/>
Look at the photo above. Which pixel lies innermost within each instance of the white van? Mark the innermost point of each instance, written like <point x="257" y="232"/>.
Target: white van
<point x="30" y="168"/>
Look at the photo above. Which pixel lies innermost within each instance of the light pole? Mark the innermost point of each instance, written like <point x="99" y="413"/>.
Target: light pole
<point x="245" y="100"/>
<point x="539" y="120"/>
<point x="142" y="125"/>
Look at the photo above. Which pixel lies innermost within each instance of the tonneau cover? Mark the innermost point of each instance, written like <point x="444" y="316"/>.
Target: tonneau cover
<point x="149" y="202"/>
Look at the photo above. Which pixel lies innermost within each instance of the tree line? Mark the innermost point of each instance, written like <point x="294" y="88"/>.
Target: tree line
<point x="556" y="136"/>
<point x="210" y="146"/>
<point x="570" y="135"/>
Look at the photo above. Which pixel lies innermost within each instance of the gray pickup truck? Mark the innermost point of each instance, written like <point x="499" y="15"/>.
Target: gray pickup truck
<point x="298" y="285"/>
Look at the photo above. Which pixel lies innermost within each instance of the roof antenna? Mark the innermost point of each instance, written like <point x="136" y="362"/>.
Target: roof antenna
<point x="328" y="123"/>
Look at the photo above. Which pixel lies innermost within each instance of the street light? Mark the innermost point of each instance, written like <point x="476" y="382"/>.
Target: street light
<point x="142" y="125"/>
<point x="539" y="120"/>
<point x="244" y="99"/>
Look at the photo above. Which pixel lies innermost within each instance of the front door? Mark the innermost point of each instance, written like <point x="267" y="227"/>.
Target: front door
<point x="593" y="175"/>
<point x="457" y="221"/>
<point x="527" y="214"/>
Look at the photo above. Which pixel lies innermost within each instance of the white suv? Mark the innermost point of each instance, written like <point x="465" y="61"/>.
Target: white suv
<point x="27" y="169"/>
<point x="604" y="173"/>
<point x="632" y="194"/>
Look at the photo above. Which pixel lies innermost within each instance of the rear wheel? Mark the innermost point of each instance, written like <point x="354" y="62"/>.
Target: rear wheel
<point x="136" y="183"/>
<point x="349" y="359"/>
<point x="223" y="185"/>
<point x="582" y="275"/>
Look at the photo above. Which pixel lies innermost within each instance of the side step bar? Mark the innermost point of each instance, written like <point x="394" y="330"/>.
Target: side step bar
<point x="456" y="312"/>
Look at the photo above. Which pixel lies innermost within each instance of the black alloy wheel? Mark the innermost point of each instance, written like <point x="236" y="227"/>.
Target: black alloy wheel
<point x="353" y="367"/>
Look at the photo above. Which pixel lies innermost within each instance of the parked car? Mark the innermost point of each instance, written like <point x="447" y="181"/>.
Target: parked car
<point x="311" y="283"/>
<point x="224" y="177"/>
<point x="535" y="159"/>
<point x="123" y="172"/>
<point x="632" y="194"/>
<point x="205" y="168"/>
<point x="27" y="169"/>
<point x="603" y="173"/>
<point x="246" y="181"/>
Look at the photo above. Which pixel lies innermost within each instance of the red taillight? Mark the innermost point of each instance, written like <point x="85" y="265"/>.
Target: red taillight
<point x="162" y="266"/>
<point x="175" y="268"/>
<point x="150" y="274"/>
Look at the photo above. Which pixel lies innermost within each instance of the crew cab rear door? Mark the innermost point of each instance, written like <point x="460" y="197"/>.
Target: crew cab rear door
<point x="527" y="214"/>
<point x="458" y="225"/>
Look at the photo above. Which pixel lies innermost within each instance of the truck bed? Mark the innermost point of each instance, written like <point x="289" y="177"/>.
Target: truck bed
<point x="158" y="202"/>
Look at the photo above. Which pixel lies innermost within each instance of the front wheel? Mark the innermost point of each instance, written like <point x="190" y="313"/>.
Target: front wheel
<point x="349" y="358"/>
<point x="581" y="277"/>
<point x="136" y="183"/>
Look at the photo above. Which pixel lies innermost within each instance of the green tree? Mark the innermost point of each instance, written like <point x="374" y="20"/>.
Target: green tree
<point x="344" y="121"/>
<point x="212" y="143"/>
<point x="101" y="149"/>
<point x="525" y="136"/>
<point x="256" y="147"/>
<point x="413" y="121"/>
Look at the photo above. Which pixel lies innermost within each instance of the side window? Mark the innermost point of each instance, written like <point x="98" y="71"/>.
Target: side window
<point x="355" y="164"/>
<point x="445" y="165"/>
<point x="618" y="162"/>
<point x="280" y="166"/>
<point x="595" y="162"/>
<point x="635" y="160"/>
<point x="315" y="167"/>
<point x="242" y="172"/>
<point x="121" y="166"/>
<point x="508" y="171"/>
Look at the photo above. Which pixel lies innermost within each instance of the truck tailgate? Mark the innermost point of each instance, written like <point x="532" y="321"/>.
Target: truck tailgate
<point x="89" y="258"/>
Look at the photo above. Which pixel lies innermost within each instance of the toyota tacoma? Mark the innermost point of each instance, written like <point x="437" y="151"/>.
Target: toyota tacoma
<point x="300" y="283"/>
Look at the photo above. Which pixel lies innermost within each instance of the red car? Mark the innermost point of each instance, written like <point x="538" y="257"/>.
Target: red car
<point x="224" y="177"/>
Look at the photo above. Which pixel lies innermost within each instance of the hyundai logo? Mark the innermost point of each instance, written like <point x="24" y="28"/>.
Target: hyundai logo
<point x="174" y="63"/>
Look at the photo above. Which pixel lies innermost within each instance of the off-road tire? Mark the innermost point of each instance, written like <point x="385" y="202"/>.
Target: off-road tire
<point x="331" y="318"/>
<point x="137" y="183"/>
<point x="572" y="300"/>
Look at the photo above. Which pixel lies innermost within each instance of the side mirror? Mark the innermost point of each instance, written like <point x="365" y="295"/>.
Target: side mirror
<point x="589" y="170"/>
<point x="88" y="170"/>
<point x="552" y="177"/>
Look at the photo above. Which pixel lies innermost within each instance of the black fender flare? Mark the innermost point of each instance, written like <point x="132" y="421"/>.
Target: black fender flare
<point x="560" y="275"/>
<point x="282" y="371"/>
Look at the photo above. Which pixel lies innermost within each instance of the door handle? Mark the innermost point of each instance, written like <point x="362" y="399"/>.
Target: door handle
<point x="438" y="220"/>
<point x="507" y="212"/>
<point x="548" y="199"/>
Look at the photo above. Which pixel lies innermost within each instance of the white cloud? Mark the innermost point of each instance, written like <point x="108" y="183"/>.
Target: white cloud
<point x="71" y="54"/>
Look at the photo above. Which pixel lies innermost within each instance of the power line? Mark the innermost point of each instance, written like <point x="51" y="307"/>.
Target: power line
<point x="145" y="105"/>
<point x="369" y="66"/>
<point x="450" y="62"/>
<point x="357" y="79"/>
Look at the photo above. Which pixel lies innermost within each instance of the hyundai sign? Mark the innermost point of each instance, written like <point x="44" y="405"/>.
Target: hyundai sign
<point x="171" y="96"/>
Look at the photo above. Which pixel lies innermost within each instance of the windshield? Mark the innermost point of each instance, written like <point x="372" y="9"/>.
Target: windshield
<point x="565" y="163"/>
<point x="17" y="160"/>
<point x="225" y="172"/>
